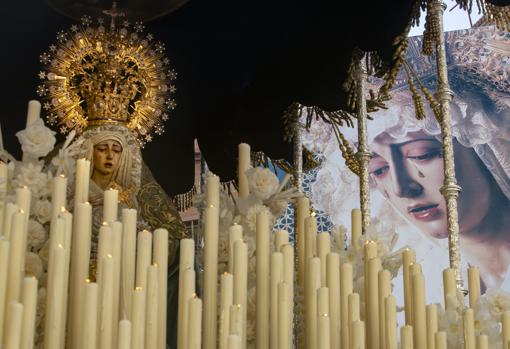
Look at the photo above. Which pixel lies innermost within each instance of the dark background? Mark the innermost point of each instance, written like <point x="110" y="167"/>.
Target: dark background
<point x="240" y="64"/>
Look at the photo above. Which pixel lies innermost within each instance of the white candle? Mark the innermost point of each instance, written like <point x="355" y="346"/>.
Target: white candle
<point x="419" y="314"/>
<point x="312" y="284"/>
<point x="212" y="190"/>
<point x="469" y="329"/>
<point x="117" y="260"/>
<point x="29" y="300"/>
<point x="432" y="325"/>
<point x="110" y="205"/>
<point x="151" y="318"/>
<point x="390" y="311"/>
<point x="124" y="334"/>
<point x="104" y="249"/>
<point x="262" y="270"/>
<point x="160" y="258"/>
<point x="323" y="330"/>
<point x="505" y="328"/>
<point x="90" y="310"/>
<point x="276" y="277"/>
<point x="372" y="302"/>
<point x="353" y="315"/>
<point x="227" y="299"/>
<point x="355" y="227"/>
<point x="384" y="291"/>
<point x="288" y="278"/>
<point x="322" y="301"/>
<point x="13" y="325"/>
<point x="106" y="310"/>
<point x="194" y="323"/>
<point x="235" y="232"/>
<point x="345" y="291"/>
<point x="9" y="211"/>
<point x="234" y="342"/>
<point x="302" y="209"/>
<point x="138" y="322"/>
<point x="243" y="166"/>
<point x="128" y="261"/>
<point x="310" y="238"/>
<point x="82" y="178"/>
<point x="235" y="326"/>
<point x="449" y="284"/>
<point x="33" y="113"/>
<point x="333" y="284"/>
<point x="323" y="248"/>
<point x="58" y="196"/>
<point x="406" y="337"/>
<point x="473" y="286"/>
<point x="68" y="219"/>
<point x="357" y="334"/>
<point x="186" y="262"/>
<point x="143" y="258"/>
<point x="210" y="277"/>
<point x="281" y="238"/>
<point x="23" y="199"/>
<point x="188" y="291"/>
<point x="4" y="264"/>
<point x="18" y="247"/>
<point x="408" y="258"/>
<point x="482" y="341"/>
<point x="440" y="340"/>
<point x="55" y="293"/>
<point x="241" y="283"/>
<point x="80" y="262"/>
<point x="284" y="321"/>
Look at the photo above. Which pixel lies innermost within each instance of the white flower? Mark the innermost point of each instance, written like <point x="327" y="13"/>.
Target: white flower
<point x="31" y="176"/>
<point x="41" y="306"/>
<point x="33" y="265"/>
<point x="36" y="234"/>
<point x="496" y="301"/>
<point x="37" y="139"/>
<point x="42" y="210"/>
<point x="262" y="182"/>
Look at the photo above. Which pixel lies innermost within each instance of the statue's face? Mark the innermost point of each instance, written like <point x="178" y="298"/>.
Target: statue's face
<point x="106" y="157"/>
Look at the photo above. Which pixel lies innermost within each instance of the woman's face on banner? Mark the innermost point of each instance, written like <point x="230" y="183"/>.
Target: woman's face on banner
<point x="409" y="172"/>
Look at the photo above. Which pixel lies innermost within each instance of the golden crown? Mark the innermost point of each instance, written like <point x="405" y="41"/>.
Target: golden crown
<point x="96" y="75"/>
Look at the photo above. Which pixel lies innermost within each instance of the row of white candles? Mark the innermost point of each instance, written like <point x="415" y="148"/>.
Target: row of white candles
<point x="124" y="308"/>
<point x="333" y="318"/>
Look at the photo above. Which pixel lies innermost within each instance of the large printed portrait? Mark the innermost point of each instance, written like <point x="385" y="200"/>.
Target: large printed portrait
<point x="406" y="168"/>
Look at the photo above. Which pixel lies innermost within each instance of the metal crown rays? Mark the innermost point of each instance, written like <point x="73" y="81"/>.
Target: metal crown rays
<point x="94" y="75"/>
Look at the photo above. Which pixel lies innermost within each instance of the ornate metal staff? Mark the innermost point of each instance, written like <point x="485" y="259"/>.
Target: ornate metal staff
<point x="450" y="189"/>
<point x="363" y="155"/>
<point x="297" y="143"/>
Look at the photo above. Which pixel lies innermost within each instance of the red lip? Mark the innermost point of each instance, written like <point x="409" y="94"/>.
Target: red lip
<point x="424" y="212"/>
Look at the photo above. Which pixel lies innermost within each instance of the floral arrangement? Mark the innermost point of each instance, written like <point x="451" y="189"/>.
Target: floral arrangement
<point x="36" y="172"/>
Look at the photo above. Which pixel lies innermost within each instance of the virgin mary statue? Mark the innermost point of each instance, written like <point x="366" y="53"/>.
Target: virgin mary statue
<point x="112" y="87"/>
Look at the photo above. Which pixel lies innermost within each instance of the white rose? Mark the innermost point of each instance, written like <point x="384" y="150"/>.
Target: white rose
<point x="262" y="182"/>
<point x="36" y="234"/>
<point x="33" y="265"/>
<point x="37" y="139"/>
<point x="42" y="210"/>
<point x="31" y="175"/>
